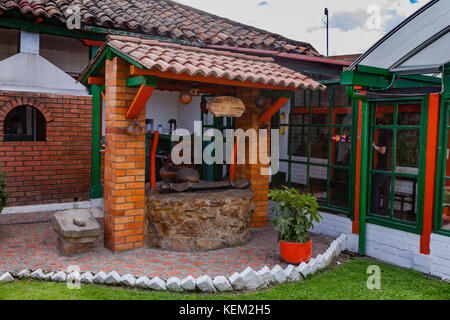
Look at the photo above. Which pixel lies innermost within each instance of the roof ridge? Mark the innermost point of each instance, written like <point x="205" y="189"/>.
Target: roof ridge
<point x="161" y="18"/>
<point x="189" y="48"/>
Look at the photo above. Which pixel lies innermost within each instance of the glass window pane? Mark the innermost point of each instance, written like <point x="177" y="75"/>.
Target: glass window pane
<point x="447" y="156"/>
<point x="382" y="149"/>
<point x="380" y="197"/>
<point x="409" y="115"/>
<point x="407" y="153"/>
<point x="319" y="144"/>
<point x="340" y="96"/>
<point x="315" y="98"/>
<point x="320" y="115"/>
<point x="325" y="97"/>
<point x="299" y="139"/>
<point x="339" y="187"/>
<point x="318" y="182"/>
<point x="405" y="198"/>
<point x="298" y="176"/>
<point x="300" y="98"/>
<point x="446" y="206"/>
<point x="340" y="146"/>
<point x="384" y="114"/>
<point x="343" y="115"/>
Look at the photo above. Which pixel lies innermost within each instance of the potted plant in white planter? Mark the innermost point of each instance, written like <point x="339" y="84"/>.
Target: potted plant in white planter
<point x="295" y="214"/>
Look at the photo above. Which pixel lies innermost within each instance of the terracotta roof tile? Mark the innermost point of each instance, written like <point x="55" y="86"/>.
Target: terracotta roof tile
<point x="162" y="18"/>
<point x="166" y="56"/>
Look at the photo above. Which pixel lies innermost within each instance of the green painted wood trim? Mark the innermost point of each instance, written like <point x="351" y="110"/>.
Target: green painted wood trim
<point x="50" y="29"/>
<point x="374" y="70"/>
<point x="353" y="147"/>
<point x="127" y="58"/>
<point x="356" y="78"/>
<point x="149" y="81"/>
<point x="96" y="190"/>
<point x="363" y="177"/>
<point x="97" y="65"/>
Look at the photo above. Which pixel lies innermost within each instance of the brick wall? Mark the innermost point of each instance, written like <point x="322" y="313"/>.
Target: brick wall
<point x="55" y="170"/>
<point x="124" y="165"/>
<point x="260" y="183"/>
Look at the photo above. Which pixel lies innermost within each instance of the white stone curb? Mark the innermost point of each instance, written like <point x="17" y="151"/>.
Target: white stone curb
<point x="248" y="279"/>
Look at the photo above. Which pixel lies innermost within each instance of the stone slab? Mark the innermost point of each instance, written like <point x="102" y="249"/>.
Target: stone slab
<point x="63" y="222"/>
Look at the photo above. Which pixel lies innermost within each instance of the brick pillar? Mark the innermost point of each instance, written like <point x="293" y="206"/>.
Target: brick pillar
<point x="260" y="183"/>
<point x="124" y="168"/>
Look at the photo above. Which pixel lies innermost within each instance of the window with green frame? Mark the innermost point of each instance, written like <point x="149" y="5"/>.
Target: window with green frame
<point x="320" y="157"/>
<point x="397" y="151"/>
<point x="442" y="208"/>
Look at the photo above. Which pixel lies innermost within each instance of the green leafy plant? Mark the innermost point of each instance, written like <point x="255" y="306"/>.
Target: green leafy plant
<point x="295" y="214"/>
<point x="3" y="193"/>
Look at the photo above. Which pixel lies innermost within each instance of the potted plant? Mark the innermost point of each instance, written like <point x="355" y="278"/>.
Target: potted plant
<point x="3" y="194"/>
<point x="295" y="214"/>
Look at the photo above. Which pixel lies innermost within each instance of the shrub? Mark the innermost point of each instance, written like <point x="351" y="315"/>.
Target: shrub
<point x="295" y="214"/>
<point x="3" y="193"/>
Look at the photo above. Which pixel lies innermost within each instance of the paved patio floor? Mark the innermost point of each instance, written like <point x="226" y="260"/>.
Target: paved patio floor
<point x="28" y="241"/>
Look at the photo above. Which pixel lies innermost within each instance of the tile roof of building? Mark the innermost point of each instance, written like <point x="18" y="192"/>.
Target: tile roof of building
<point x="162" y="18"/>
<point x="165" y="56"/>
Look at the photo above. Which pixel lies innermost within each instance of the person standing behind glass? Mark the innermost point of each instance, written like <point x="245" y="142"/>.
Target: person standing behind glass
<point x="381" y="183"/>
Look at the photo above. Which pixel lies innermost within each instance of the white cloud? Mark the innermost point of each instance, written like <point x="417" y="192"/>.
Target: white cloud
<point x="302" y="20"/>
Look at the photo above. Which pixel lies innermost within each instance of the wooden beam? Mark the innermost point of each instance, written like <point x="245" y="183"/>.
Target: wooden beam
<point x="430" y="171"/>
<point x="135" y="71"/>
<point x="96" y="80"/>
<point x="273" y="109"/>
<point x="139" y="101"/>
<point x="201" y="89"/>
<point x="92" y="43"/>
<point x="153" y="160"/>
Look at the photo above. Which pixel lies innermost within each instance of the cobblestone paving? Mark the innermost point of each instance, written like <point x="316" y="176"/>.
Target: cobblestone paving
<point x="28" y="241"/>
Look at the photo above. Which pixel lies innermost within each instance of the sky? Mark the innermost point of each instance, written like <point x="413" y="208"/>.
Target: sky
<point x="354" y="25"/>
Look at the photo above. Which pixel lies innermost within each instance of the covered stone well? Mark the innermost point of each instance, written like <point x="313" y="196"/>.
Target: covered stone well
<point x="199" y="221"/>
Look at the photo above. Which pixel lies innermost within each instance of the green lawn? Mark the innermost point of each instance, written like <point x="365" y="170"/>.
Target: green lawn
<point x="348" y="281"/>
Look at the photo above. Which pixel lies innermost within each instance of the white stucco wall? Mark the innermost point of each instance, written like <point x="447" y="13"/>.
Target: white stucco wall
<point x="163" y="106"/>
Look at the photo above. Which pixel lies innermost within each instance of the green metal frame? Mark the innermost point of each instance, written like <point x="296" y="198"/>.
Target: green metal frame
<point x="444" y="126"/>
<point x="382" y="79"/>
<point x="390" y="222"/>
<point x="96" y="190"/>
<point x="139" y="80"/>
<point x="309" y="163"/>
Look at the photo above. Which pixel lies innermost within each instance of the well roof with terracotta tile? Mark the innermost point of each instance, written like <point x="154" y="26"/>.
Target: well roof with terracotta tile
<point x="162" y="18"/>
<point x="167" y="56"/>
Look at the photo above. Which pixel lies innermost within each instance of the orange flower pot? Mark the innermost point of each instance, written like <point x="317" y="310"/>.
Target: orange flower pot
<point x="295" y="252"/>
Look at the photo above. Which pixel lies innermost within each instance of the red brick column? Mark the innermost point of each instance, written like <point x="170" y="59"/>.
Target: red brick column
<point x="260" y="183"/>
<point x="124" y="169"/>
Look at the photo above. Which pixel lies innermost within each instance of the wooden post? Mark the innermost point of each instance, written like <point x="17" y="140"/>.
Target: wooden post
<point x="430" y="171"/>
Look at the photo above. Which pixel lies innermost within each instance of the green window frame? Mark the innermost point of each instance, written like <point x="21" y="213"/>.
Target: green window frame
<point x="444" y="125"/>
<point x="323" y="101"/>
<point x="391" y="222"/>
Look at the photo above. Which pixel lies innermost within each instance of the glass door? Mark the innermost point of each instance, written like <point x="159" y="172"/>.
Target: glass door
<point x="396" y="156"/>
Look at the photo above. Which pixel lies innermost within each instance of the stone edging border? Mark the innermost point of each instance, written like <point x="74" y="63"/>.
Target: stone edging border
<point x="246" y="280"/>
